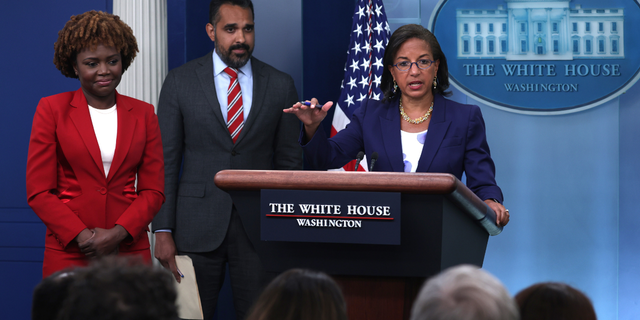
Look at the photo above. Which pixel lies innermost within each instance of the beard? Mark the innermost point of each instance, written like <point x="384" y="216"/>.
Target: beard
<point x="231" y="59"/>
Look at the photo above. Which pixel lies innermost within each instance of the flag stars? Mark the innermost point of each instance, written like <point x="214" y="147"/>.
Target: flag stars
<point x="366" y="47"/>
<point x="349" y="100"/>
<point x="360" y="12"/>
<point x="379" y="46"/>
<point x="352" y="83"/>
<point x="378" y="27"/>
<point x="354" y="65"/>
<point x="377" y="80"/>
<point x="365" y="64"/>
<point x="378" y="64"/>
<point x="364" y="82"/>
<point x="378" y="10"/>
<point x="356" y="48"/>
<point x="358" y="30"/>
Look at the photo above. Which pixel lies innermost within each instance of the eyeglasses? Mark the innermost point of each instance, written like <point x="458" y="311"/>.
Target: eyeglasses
<point x="406" y="65"/>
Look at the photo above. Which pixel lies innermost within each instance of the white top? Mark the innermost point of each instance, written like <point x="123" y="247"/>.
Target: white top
<point x="221" y="80"/>
<point x="105" y="125"/>
<point x="412" y="144"/>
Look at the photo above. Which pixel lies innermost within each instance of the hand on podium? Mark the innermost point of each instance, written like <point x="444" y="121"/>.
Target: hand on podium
<point x="502" y="214"/>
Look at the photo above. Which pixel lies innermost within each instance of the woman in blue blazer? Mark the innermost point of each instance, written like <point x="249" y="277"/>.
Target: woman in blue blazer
<point x="414" y="128"/>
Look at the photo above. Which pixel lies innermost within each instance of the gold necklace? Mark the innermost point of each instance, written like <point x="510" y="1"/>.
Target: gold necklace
<point x="420" y="120"/>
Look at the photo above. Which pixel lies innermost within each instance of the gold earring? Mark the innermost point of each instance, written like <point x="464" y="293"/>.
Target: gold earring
<point x="395" y="86"/>
<point x="435" y="82"/>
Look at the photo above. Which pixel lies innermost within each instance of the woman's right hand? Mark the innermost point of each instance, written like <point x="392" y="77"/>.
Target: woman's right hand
<point x="311" y="116"/>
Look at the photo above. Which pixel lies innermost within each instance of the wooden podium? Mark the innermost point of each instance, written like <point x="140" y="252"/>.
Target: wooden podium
<point x="443" y="224"/>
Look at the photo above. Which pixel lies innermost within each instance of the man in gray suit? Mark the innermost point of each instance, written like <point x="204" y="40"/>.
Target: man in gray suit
<point x="209" y="124"/>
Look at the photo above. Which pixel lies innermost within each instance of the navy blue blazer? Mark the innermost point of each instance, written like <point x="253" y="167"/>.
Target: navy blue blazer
<point x="455" y="143"/>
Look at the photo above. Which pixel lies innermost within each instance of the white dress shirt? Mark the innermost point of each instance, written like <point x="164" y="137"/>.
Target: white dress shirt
<point x="222" y="79"/>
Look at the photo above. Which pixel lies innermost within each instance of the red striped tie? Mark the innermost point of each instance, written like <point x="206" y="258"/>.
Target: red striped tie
<point x="235" y="115"/>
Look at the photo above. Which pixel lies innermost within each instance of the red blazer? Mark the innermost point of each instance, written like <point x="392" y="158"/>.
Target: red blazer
<point x="66" y="185"/>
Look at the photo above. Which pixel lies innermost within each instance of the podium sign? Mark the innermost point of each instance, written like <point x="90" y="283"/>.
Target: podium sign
<point x="330" y="216"/>
<point x="443" y="224"/>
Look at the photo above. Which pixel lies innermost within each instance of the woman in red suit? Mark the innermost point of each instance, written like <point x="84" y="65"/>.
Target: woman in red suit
<point x="95" y="167"/>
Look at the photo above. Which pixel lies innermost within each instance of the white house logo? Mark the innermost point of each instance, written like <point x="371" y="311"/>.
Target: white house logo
<point x="540" y="56"/>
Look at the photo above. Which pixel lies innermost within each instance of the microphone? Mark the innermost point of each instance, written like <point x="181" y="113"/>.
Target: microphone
<point x="374" y="158"/>
<point x="358" y="159"/>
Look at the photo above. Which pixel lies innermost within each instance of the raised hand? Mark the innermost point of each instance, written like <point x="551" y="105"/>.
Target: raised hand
<point x="310" y="115"/>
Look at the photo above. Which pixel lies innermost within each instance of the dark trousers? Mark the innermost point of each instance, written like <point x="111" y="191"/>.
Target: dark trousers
<point x="245" y="270"/>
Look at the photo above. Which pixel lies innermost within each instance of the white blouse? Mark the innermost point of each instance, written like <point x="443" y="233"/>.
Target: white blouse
<point x="105" y="125"/>
<point x="412" y="144"/>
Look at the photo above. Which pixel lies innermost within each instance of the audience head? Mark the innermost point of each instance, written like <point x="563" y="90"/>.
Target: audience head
<point x="89" y="30"/>
<point x="300" y="294"/>
<point x="554" y="301"/>
<point x="49" y="295"/>
<point x="464" y="293"/>
<point x="397" y="39"/>
<point x="120" y="288"/>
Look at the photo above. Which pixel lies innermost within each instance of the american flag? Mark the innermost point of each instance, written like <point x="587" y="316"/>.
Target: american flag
<point x="363" y="70"/>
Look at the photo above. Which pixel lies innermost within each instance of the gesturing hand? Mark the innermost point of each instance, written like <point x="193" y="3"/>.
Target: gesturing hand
<point x="311" y="116"/>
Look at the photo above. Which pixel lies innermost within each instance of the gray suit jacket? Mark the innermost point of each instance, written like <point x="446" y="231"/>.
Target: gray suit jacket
<point x="195" y="136"/>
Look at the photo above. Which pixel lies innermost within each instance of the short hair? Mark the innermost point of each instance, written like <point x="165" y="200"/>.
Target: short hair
<point x="120" y="288"/>
<point x="88" y="30"/>
<point x="554" y="300"/>
<point x="214" y="8"/>
<point x="399" y="37"/>
<point x="464" y="292"/>
<point x="300" y="294"/>
<point x="49" y="295"/>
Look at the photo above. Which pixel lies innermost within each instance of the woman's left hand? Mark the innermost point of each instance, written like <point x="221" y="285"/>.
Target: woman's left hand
<point x="104" y="242"/>
<point x="502" y="214"/>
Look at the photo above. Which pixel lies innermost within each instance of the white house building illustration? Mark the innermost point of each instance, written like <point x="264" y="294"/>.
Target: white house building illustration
<point x="540" y="30"/>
